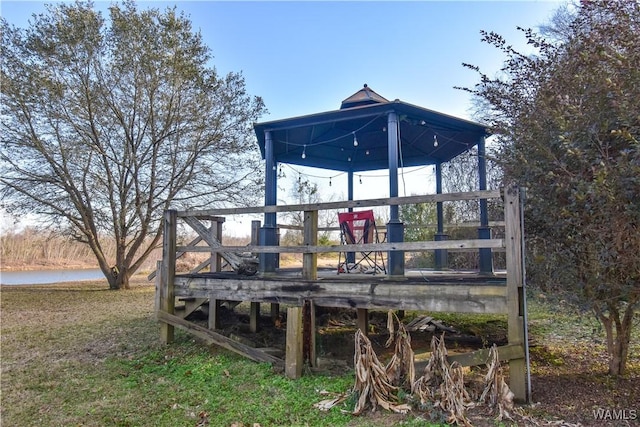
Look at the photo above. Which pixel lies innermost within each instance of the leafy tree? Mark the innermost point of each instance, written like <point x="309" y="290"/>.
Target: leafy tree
<point x="568" y="128"/>
<point x="107" y="123"/>
<point x="419" y="219"/>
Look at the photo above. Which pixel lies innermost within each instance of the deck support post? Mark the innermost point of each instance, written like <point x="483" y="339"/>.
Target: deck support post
<point x="310" y="272"/>
<point x="309" y="333"/>
<point x="293" y="354"/>
<point x="254" y="317"/>
<point x="515" y="281"/>
<point x="214" y="312"/>
<point x="215" y="265"/>
<point x="362" y="321"/>
<point x="167" y="274"/>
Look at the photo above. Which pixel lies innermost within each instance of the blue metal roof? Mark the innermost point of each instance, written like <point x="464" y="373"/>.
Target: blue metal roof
<point x="327" y="139"/>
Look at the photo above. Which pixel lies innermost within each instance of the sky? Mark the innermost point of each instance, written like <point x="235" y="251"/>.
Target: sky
<point x="306" y="57"/>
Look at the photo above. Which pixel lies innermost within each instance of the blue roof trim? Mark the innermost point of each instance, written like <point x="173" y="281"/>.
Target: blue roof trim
<point x="327" y="138"/>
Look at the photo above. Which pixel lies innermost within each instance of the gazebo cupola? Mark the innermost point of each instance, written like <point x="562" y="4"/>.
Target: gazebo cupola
<point x="367" y="133"/>
<point x="365" y="96"/>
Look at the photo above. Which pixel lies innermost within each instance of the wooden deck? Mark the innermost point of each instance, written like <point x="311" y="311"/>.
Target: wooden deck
<point x="303" y="289"/>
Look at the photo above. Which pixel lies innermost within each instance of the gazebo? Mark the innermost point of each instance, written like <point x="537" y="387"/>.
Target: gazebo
<point x="367" y="133"/>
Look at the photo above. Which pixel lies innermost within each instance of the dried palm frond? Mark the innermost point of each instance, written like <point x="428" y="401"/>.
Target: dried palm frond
<point x="496" y="394"/>
<point x="372" y="383"/>
<point x="336" y="399"/>
<point x="400" y="369"/>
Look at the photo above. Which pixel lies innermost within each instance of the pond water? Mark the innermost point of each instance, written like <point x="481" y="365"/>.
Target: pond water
<point x="38" y="277"/>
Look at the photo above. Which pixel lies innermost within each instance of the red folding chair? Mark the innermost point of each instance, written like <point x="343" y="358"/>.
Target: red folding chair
<point x="359" y="228"/>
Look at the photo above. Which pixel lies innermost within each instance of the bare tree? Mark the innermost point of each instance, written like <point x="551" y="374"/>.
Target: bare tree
<point x="108" y="122"/>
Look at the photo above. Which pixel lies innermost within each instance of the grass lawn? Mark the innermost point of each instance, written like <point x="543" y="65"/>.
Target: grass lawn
<point x="79" y="354"/>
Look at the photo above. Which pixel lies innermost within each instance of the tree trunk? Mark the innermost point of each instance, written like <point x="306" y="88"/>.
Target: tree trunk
<point x="618" y="334"/>
<point x="118" y="278"/>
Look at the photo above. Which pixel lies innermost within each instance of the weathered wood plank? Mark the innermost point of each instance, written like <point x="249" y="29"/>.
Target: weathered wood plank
<point x="167" y="276"/>
<point x="293" y="357"/>
<point x="192" y="305"/>
<point x="469" y="244"/>
<point x="515" y="319"/>
<point x="427" y="198"/>
<point x="480" y="357"/>
<point x="374" y="294"/>
<point x="220" y="340"/>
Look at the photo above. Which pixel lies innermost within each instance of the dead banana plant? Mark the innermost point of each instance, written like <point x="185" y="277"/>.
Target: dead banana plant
<point x="372" y="382"/>
<point x="496" y="394"/>
<point x="442" y="384"/>
<point x="400" y="369"/>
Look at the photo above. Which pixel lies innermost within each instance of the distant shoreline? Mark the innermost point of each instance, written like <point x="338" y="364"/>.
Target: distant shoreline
<point x="11" y="267"/>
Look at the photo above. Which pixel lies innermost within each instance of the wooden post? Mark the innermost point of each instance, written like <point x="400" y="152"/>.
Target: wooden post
<point x="214" y="312"/>
<point x="515" y="319"/>
<point x="363" y="320"/>
<point x="310" y="272"/>
<point x="309" y="333"/>
<point x="275" y="311"/>
<point x="254" y="311"/>
<point x="310" y="238"/>
<point x="168" y="272"/>
<point x="158" y="283"/>
<point x="254" y="317"/>
<point x="215" y="265"/>
<point x="293" y="357"/>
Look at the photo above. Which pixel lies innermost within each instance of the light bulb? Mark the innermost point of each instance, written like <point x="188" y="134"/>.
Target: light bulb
<point x="355" y="140"/>
<point x="304" y="152"/>
<point x="435" y="141"/>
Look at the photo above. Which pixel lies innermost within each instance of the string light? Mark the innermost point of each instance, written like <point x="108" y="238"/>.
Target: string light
<point x="329" y="181"/>
<point x="348" y="159"/>
<point x="360" y="176"/>
<point x="304" y="152"/>
<point x="435" y="140"/>
<point x="355" y="140"/>
<point x="367" y="152"/>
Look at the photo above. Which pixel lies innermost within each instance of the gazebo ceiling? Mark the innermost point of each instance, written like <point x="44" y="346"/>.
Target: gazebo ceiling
<point x="328" y="140"/>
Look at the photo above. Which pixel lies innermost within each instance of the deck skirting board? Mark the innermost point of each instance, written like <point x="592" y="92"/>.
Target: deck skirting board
<point x="459" y="298"/>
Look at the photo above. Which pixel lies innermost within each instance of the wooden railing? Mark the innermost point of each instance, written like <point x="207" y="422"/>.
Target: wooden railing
<point x="310" y="229"/>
